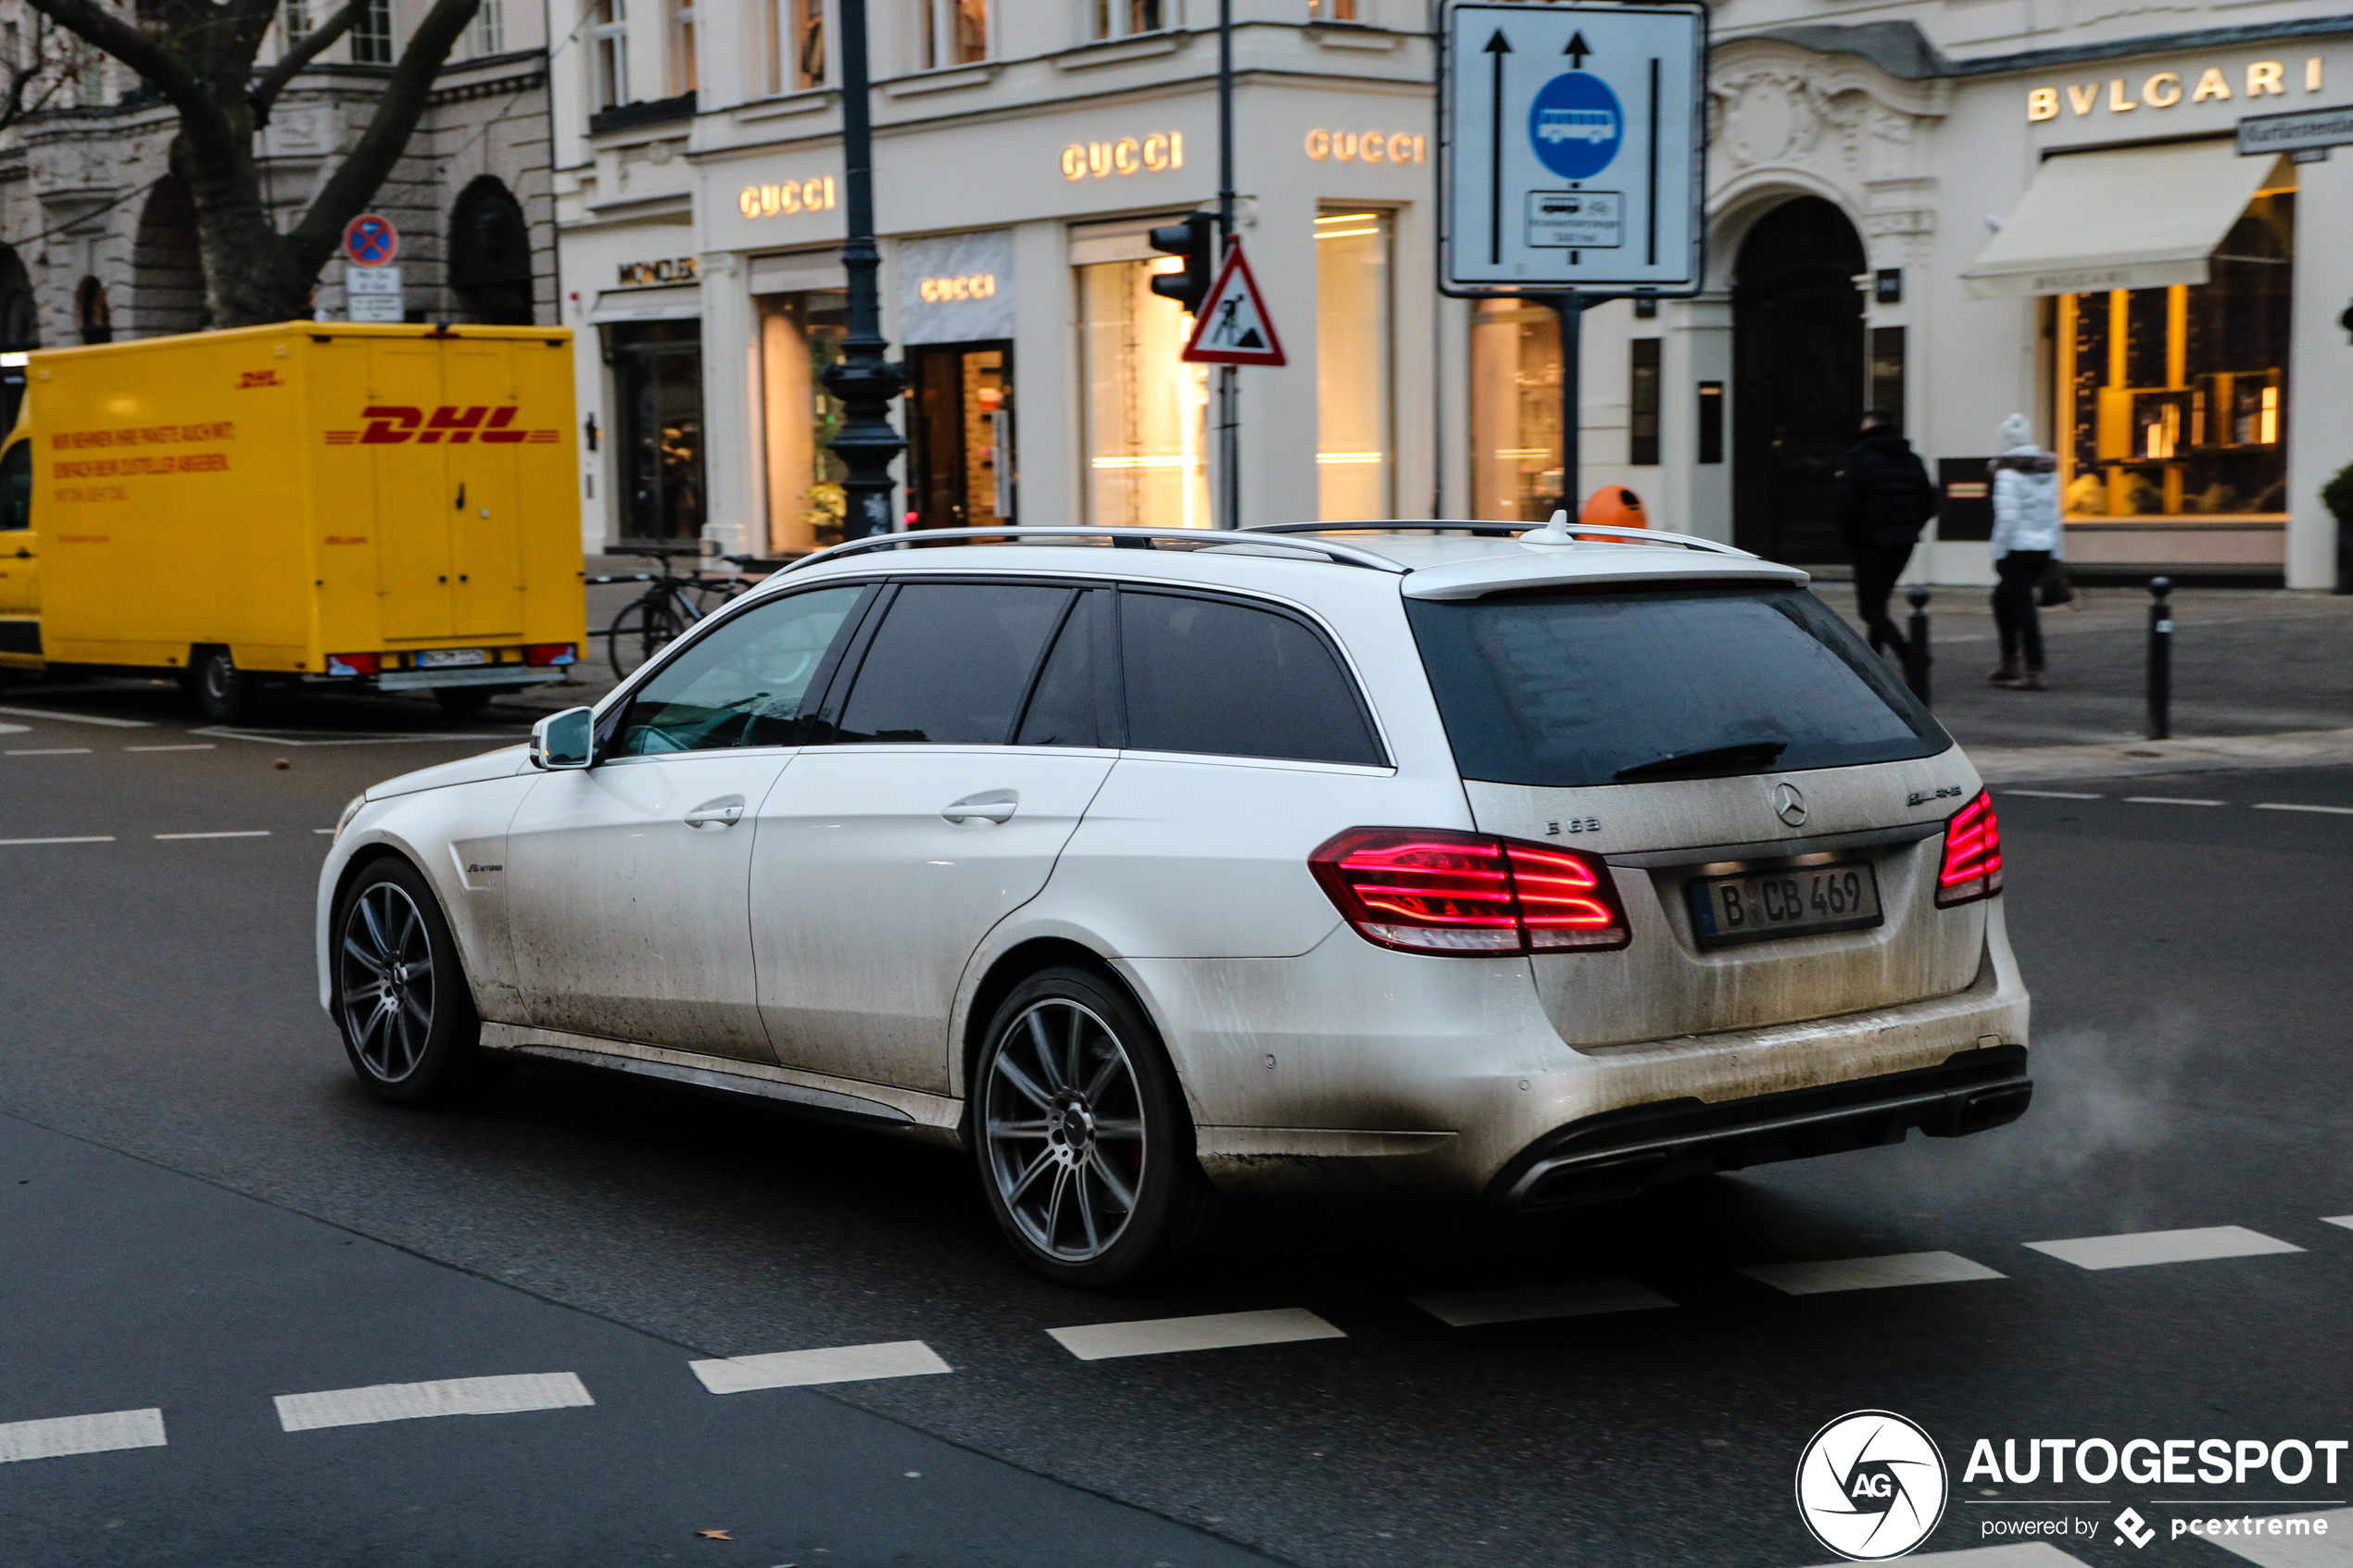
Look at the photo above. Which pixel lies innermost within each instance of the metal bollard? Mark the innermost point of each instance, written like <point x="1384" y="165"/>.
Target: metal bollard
<point x="1917" y="659"/>
<point x="2161" y="661"/>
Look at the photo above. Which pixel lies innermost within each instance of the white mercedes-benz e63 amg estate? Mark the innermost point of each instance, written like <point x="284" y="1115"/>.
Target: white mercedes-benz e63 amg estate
<point x="1441" y="858"/>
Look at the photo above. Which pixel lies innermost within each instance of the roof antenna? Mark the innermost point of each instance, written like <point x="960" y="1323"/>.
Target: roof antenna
<point x="1554" y="532"/>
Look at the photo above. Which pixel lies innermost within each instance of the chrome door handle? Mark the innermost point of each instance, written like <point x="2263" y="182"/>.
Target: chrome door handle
<point x="715" y="815"/>
<point x="996" y="806"/>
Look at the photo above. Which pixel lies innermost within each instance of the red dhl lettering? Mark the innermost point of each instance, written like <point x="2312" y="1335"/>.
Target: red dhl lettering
<point x="391" y="424"/>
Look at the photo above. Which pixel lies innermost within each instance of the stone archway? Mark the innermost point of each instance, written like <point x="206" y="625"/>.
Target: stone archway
<point x="167" y="278"/>
<point x="490" y="256"/>
<point x="1797" y="373"/>
<point x="19" y="314"/>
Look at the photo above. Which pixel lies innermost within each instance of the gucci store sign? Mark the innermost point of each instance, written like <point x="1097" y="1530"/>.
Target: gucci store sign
<point x="956" y="288"/>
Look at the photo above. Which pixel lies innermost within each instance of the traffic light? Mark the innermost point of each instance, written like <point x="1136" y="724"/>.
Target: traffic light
<point x="1191" y="239"/>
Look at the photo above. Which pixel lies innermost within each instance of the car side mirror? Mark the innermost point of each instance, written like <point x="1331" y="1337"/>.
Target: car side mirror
<point x="564" y="740"/>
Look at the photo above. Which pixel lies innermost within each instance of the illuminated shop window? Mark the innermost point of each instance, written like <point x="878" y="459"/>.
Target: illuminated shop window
<point x="1144" y="411"/>
<point x="800" y="333"/>
<point x="2173" y="401"/>
<point x="1353" y="459"/>
<point x="1516" y="411"/>
<point x="955" y="32"/>
<point x="795" y="44"/>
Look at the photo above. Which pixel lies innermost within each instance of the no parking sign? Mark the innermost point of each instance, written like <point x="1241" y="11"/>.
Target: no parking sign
<point x="371" y="241"/>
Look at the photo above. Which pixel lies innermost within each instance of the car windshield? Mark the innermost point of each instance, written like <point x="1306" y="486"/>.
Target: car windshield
<point x="1559" y="688"/>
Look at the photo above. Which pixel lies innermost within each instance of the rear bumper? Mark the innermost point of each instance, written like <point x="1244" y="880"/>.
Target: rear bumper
<point x="1618" y="1153"/>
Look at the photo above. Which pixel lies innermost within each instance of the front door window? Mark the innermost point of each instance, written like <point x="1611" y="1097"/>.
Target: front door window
<point x="658" y="375"/>
<point x="961" y="424"/>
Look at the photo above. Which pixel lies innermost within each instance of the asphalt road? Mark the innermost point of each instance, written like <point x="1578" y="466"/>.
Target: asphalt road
<point x="199" y="1211"/>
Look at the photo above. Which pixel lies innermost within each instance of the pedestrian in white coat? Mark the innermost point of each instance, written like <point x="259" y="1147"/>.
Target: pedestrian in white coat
<point x="2028" y="536"/>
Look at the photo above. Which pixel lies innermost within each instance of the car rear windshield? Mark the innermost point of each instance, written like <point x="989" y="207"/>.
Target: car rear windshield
<point x="1559" y="688"/>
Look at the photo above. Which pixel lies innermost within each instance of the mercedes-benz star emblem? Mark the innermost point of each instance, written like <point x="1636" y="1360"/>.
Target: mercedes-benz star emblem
<point x="1789" y="804"/>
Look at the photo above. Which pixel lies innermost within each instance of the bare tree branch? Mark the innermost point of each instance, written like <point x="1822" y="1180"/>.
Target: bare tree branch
<point x="273" y="81"/>
<point x="94" y="24"/>
<point x="348" y="191"/>
<point x="24" y="73"/>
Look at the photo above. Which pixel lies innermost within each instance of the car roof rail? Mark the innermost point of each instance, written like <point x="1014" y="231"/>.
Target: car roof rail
<point x="1565" y="532"/>
<point x="1145" y="538"/>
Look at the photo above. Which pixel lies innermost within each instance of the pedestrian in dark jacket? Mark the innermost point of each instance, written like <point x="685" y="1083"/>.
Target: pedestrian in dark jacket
<point x="1883" y="499"/>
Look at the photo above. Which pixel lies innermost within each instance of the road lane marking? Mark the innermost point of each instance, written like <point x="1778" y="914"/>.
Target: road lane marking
<point x="2055" y="794"/>
<point x="65" y="1435"/>
<point x="2334" y="1550"/>
<point x="87" y="838"/>
<point x="1524" y="1303"/>
<point x="329" y="831"/>
<point x="241" y="832"/>
<point x="1216" y="1331"/>
<point x="2168" y="800"/>
<point x="78" y="718"/>
<point x="16" y="729"/>
<point x="801" y="1369"/>
<point x="201" y="745"/>
<point x="1870" y="1273"/>
<point x="2133" y="1250"/>
<point x="2345" y="1220"/>
<point x="2325" y="810"/>
<point x="499" y="736"/>
<point x="53" y="750"/>
<point x="415" y="1401"/>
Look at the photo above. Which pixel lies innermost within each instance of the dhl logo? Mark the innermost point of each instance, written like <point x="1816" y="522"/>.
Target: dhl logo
<point x="390" y="425"/>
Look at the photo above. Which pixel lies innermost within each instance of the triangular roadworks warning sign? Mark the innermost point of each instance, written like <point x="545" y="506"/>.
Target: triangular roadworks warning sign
<point x="1233" y="327"/>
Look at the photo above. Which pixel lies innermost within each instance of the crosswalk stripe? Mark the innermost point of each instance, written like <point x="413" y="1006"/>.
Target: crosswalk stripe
<point x="2332" y="1548"/>
<point x="2135" y="1251"/>
<point x="1523" y="1303"/>
<point x="60" y="1435"/>
<point x="1214" y="1331"/>
<point x="414" y="1401"/>
<point x="799" y="1368"/>
<point x="1870" y="1273"/>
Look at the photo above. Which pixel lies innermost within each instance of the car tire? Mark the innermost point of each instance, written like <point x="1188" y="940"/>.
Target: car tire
<point x="224" y="693"/>
<point x="1083" y="1138"/>
<point x="462" y="702"/>
<point x="400" y="997"/>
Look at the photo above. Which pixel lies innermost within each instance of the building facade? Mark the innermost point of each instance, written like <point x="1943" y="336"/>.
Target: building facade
<point x="98" y="238"/>
<point x="1896" y="216"/>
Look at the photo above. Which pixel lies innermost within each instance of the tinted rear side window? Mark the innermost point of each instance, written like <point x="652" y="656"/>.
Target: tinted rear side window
<point x="951" y="663"/>
<point x="1230" y="680"/>
<point x="1573" y="689"/>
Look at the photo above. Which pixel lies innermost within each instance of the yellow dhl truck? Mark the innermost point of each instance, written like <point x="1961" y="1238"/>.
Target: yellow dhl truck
<point x="386" y="507"/>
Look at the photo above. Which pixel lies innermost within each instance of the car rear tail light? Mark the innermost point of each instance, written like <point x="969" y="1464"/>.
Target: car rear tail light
<point x="1468" y="894"/>
<point x="1972" y="868"/>
<point x="355" y="663"/>
<point x="549" y="653"/>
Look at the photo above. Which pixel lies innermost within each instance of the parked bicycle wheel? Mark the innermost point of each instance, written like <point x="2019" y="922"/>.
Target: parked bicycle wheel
<point x="642" y="629"/>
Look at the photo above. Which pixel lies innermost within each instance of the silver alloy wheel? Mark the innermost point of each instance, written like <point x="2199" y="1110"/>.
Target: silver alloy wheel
<point x="387" y="982"/>
<point x="1064" y="1119"/>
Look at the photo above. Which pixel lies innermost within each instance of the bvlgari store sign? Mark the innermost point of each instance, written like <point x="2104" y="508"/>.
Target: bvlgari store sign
<point x="956" y="288"/>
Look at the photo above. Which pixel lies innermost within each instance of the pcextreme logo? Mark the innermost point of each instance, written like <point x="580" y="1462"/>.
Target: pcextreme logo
<point x="1871" y="1485"/>
<point x="391" y="424"/>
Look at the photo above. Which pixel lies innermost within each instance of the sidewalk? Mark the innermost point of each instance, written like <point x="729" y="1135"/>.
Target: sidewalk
<point x="2261" y="678"/>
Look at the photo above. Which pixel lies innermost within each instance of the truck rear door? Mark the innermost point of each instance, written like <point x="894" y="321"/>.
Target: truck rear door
<point x="481" y="452"/>
<point x="413" y="498"/>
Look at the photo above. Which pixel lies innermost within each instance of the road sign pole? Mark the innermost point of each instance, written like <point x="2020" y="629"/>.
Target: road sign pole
<point x="1228" y="512"/>
<point x="1571" y="308"/>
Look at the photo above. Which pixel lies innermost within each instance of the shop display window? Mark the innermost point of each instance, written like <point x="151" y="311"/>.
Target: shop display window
<point x="960" y="427"/>
<point x="2173" y="401"/>
<point x="1515" y="410"/>
<point x="800" y="333"/>
<point x="1355" y="462"/>
<point x="657" y="372"/>
<point x="1145" y="408"/>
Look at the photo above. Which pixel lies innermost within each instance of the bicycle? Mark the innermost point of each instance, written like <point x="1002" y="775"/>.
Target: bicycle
<point x="672" y="602"/>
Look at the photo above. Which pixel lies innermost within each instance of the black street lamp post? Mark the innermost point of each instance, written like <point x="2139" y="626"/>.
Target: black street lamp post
<point x="862" y="378"/>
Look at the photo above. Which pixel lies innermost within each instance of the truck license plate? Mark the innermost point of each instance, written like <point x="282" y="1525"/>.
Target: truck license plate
<point x="1802" y="902"/>
<point x="444" y="659"/>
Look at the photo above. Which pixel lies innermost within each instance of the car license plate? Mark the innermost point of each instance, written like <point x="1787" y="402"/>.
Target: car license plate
<point x="444" y="659"/>
<point x="1801" y="901"/>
